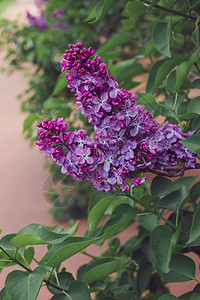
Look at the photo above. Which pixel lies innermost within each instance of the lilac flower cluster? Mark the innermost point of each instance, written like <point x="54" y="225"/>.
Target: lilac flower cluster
<point x="127" y="138"/>
<point x="57" y="17"/>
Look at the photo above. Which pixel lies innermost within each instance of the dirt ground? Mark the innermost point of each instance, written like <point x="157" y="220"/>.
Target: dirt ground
<point x="22" y="172"/>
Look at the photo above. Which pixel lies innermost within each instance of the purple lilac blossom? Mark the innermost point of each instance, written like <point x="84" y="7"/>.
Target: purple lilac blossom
<point x="58" y="13"/>
<point x="127" y="138"/>
<point x="38" y="22"/>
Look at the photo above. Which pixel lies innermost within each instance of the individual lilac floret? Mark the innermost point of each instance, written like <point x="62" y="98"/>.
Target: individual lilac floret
<point x="58" y="13"/>
<point x="128" y="140"/>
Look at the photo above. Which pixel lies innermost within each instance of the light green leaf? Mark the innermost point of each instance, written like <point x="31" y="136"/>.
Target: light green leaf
<point x="71" y="246"/>
<point x="115" y="41"/>
<point x="60" y="84"/>
<point x="161" y="185"/>
<point x="29" y="121"/>
<point x="183" y="70"/>
<point x="192" y="143"/>
<point x="102" y="8"/>
<point x="195" y="227"/>
<point x="96" y="213"/>
<point x="161" y="35"/>
<point x="160" y="240"/>
<point x="102" y="267"/>
<point x="135" y="8"/>
<point x="22" y="285"/>
<point x="36" y="234"/>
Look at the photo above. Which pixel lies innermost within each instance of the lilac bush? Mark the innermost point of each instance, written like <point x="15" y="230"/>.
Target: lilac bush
<point x="128" y="140"/>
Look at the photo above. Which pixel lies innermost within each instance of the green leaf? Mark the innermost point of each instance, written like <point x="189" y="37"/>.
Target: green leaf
<point x="149" y="48"/>
<point x="152" y="75"/>
<point x="192" y="143"/>
<point x="171" y="81"/>
<point x="183" y="265"/>
<point x="196" y="83"/>
<point x="130" y="72"/>
<point x="121" y="66"/>
<point x="64" y="279"/>
<point x="102" y="267"/>
<point x="77" y="291"/>
<point x="36" y="234"/>
<point x="135" y="8"/>
<point x="183" y="70"/>
<point x="161" y="186"/>
<point x="168" y="297"/>
<point x="160" y="240"/>
<point x="152" y="4"/>
<point x="115" y="41"/>
<point x="96" y="213"/>
<point x="149" y="222"/>
<point x="29" y="121"/>
<point x="121" y="218"/>
<point x="161" y="35"/>
<point x="195" y="228"/>
<point x="144" y="274"/>
<point x="3" y="295"/>
<point x="61" y="83"/>
<point x="184" y="27"/>
<point x="175" y="199"/>
<point x="195" y="296"/>
<point x="29" y="254"/>
<point x="102" y="8"/>
<point x="71" y="246"/>
<point x="166" y="67"/>
<point x="194" y="106"/>
<point x="21" y="285"/>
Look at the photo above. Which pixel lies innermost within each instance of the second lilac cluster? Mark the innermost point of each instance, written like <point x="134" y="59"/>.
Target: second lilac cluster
<point x="127" y="140"/>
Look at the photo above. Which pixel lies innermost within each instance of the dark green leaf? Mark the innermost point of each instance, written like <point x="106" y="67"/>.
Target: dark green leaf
<point x="64" y="279"/>
<point x="194" y="106"/>
<point x="160" y="240"/>
<point x="184" y="27"/>
<point x="29" y="254"/>
<point x="143" y="277"/>
<point x="149" y="222"/>
<point x="196" y="83"/>
<point x="130" y="72"/>
<point x="21" y="285"/>
<point x="195" y="296"/>
<point x="71" y="246"/>
<point x="162" y="37"/>
<point x="103" y="267"/>
<point x="183" y="70"/>
<point x="173" y="200"/>
<point x="3" y="295"/>
<point x="166" y="67"/>
<point x="183" y="265"/>
<point x="192" y="143"/>
<point x="152" y="4"/>
<point x="161" y="186"/>
<point x="135" y="8"/>
<point x="102" y="8"/>
<point x="121" y="218"/>
<point x="168" y="297"/>
<point x="195" y="228"/>
<point x="152" y="75"/>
